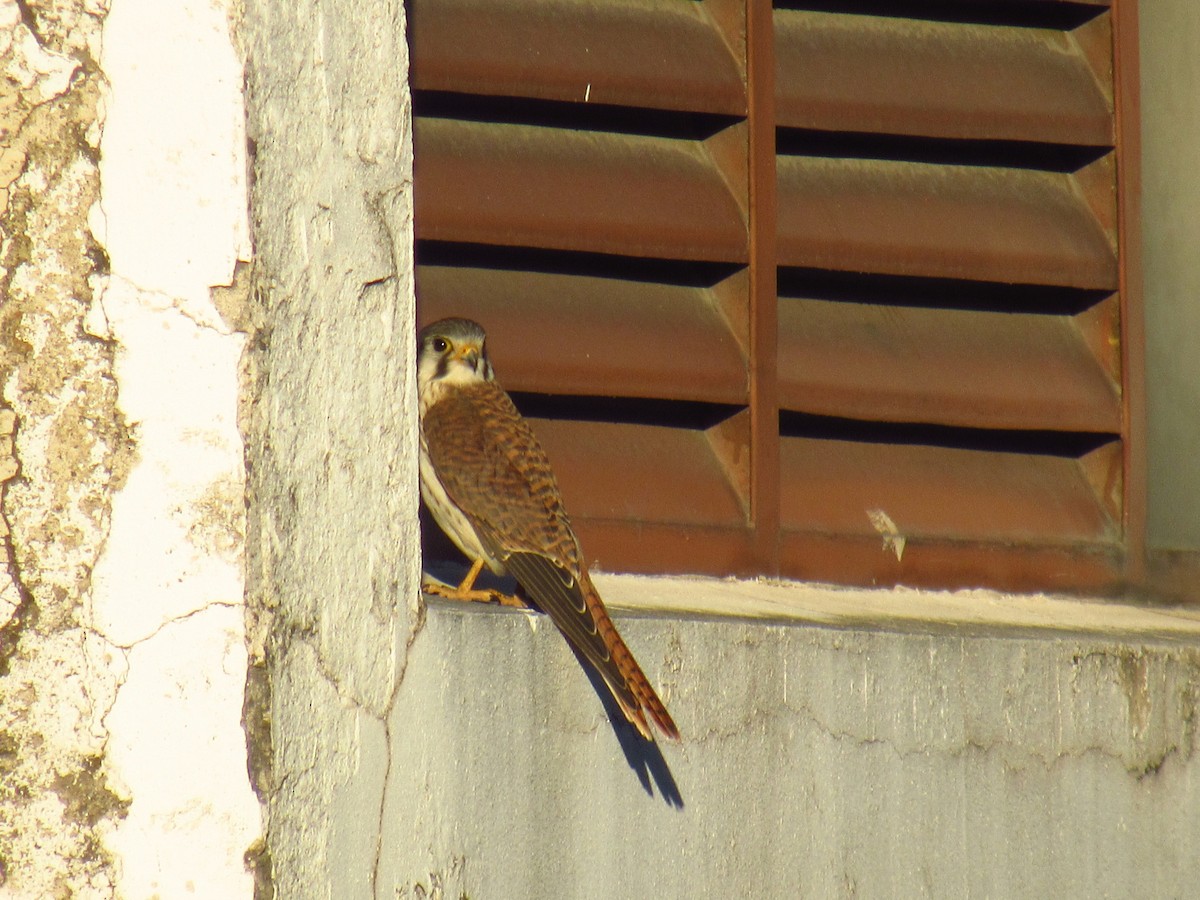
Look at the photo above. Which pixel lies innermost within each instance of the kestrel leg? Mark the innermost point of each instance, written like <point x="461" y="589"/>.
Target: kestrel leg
<point x="466" y="590"/>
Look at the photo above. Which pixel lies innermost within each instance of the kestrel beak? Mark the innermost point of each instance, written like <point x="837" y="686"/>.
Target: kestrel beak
<point x="469" y="352"/>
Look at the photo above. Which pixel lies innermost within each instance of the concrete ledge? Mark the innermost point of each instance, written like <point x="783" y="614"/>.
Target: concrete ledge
<point x="905" y="609"/>
<point x="1028" y="756"/>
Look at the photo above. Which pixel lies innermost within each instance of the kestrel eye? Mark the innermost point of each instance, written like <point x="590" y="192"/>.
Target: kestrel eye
<point x="440" y="345"/>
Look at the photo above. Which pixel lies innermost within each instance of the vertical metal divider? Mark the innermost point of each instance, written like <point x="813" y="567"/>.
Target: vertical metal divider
<point x="1128" y="137"/>
<point x="764" y="411"/>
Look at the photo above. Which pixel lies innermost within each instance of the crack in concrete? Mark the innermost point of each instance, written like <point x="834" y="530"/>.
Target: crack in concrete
<point x="383" y="205"/>
<point x="1017" y="755"/>
<point x="417" y="618"/>
<point x="119" y="680"/>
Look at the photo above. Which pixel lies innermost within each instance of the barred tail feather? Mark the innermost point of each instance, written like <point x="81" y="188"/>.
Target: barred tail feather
<point x="650" y="703"/>
<point x="635" y="682"/>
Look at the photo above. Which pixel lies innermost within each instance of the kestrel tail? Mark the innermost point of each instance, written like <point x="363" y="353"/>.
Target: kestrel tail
<point x="489" y="486"/>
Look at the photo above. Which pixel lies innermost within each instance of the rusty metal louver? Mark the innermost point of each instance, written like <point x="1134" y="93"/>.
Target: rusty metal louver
<point x="773" y="282"/>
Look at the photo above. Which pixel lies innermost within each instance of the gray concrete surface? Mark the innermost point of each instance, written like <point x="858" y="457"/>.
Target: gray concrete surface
<point x="816" y="762"/>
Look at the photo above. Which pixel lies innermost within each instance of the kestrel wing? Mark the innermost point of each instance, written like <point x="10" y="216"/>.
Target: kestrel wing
<point x="495" y="470"/>
<point x="561" y="596"/>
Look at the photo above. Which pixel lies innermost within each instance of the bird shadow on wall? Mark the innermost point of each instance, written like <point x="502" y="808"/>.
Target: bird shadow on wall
<point x="644" y="757"/>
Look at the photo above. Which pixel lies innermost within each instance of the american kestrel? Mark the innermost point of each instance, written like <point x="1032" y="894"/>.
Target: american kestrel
<point x="489" y="486"/>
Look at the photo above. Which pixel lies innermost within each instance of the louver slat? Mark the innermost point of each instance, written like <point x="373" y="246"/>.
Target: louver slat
<point x="938" y="563"/>
<point x="533" y="186"/>
<point x="636" y="473"/>
<point x="634" y="52"/>
<point x="938" y="492"/>
<point x="940" y="79"/>
<point x="972" y="368"/>
<point x="884" y="514"/>
<point x="947" y="221"/>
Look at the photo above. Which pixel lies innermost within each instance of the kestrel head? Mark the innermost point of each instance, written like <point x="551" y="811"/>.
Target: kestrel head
<point x="452" y="351"/>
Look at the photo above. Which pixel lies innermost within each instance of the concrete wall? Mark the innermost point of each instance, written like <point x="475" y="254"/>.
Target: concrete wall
<point x="333" y="539"/>
<point x="1170" y="32"/>
<point x="983" y="760"/>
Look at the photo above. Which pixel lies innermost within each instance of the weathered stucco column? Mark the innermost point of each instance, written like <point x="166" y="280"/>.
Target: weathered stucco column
<point x="333" y="533"/>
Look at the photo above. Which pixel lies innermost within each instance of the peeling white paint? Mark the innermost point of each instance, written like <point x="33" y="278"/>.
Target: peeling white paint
<point x="173" y="163"/>
<point x="177" y="739"/>
<point x="168" y="591"/>
<point x="178" y="391"/>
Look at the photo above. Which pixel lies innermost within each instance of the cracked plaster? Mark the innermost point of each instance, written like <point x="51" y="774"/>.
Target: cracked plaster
<point x="122" y="654"/>
<point x="332" y="534"/>
<point x="168" y="590"/>
<point x="56" y="678"/>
